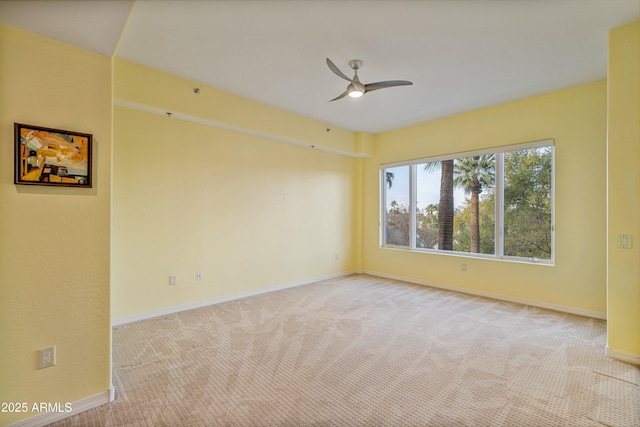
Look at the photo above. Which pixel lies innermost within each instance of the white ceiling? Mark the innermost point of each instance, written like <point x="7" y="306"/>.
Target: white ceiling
<point x="460" y="54"/>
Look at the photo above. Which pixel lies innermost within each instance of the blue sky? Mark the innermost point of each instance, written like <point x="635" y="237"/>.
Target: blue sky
<point x="428" y="188"/>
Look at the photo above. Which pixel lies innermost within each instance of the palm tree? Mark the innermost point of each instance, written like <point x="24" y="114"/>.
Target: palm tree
<point x="472" y="174"/>
<point x="430" y="212"/>
<point x="389" y="178"/>
<point x="445" y="206"/>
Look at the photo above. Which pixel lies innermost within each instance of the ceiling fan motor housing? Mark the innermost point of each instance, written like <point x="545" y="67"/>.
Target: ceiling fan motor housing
<point x="356" y="89"/>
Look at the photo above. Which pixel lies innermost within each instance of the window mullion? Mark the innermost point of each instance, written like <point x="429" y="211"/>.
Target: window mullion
<point x="499" y="198"/>
<point x="383" y="207"/>
<point x="412" y="207"/>
<point x="553" y="204"/>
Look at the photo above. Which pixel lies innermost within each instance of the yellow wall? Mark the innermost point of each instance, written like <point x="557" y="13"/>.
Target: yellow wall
<point x="54" y="242"/>
<point x="623" y="151"/>
<point x="247" y="212"/>
<point x="142" y="85"/>
<point x="576" y="119"/>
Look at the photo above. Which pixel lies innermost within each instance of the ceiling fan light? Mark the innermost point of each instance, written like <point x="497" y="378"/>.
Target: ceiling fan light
<point x="355" y="93"/>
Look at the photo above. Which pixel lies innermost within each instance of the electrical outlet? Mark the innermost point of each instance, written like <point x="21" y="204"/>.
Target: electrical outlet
<point x="463" y="267"/>
<point x="624" y="241"/>
<point x="47" y="357"/>
<point x="172" y="280"/>
<point x="199" y="275"/>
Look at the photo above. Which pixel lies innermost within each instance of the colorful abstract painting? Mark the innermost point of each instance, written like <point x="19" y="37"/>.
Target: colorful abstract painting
<point x="52" y="157"/>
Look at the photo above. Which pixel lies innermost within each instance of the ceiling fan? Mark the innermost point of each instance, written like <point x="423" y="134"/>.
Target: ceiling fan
<point x="356" y="89"/>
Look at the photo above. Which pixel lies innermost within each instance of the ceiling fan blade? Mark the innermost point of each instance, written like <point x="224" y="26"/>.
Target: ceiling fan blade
<point x="389" y="83"/>
<point x="342" y="95"/>
<point x="337" y="71"/>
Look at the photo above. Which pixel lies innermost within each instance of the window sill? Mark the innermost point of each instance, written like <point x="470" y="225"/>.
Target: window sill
<point x="534" y="261"/>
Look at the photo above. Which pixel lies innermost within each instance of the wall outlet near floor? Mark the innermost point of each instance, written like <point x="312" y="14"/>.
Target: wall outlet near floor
<point x="199" y="275"/>
<point x="172" y="280"/>
<point x="624" y="241"/>
<point x="463" y="267"/>
<point x="47" y="357"/>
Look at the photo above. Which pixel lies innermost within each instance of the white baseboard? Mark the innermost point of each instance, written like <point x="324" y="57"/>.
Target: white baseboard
<point x="622" y="356"/>
<point x="176" y="309"/>
<point x="77" y="407"/>
<point x="549" y="306"/>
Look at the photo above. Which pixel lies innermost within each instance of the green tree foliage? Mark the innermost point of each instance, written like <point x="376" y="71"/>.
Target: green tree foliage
<point x="527" y="203"/>
<point x="486" y="220"/>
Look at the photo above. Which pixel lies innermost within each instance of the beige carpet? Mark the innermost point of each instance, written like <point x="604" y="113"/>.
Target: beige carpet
<point x="365" y="351"/>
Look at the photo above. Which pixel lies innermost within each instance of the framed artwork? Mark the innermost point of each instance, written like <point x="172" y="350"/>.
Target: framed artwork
<point x="52" y="157"/>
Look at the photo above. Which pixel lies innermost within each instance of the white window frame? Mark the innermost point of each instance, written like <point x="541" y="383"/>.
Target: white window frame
<point x="499" y="201"/>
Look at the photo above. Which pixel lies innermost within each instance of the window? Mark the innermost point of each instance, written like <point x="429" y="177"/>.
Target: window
<point x="496" y="203"/>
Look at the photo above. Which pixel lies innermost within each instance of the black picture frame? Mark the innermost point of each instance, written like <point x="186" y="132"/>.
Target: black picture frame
<point x="52" y="157"/>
